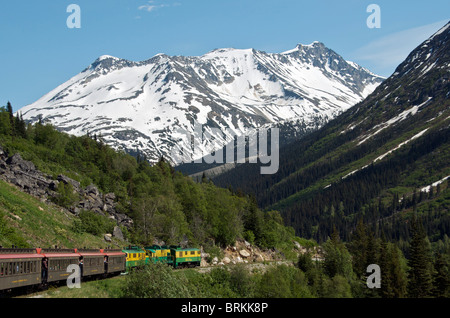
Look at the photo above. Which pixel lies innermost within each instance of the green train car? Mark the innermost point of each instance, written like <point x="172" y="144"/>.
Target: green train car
<point x="174" y="255"/>
<point x="136" y="257"/>
<point x="185" y="257"/>
<point x="158" y="254"/>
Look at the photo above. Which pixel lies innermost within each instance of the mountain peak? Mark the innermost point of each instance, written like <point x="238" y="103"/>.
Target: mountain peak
<point x="106" y="57"/>
<point x="301" y="47"/>
<point x="144" y="104"/>
<point x="314" y="44"/>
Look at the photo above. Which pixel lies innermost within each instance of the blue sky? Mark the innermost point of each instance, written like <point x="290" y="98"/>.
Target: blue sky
<point x="39" y="52"/>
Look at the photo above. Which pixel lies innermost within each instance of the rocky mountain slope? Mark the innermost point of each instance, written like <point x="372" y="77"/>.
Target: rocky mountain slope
<point x="25" y="175"/>
<point x="150" y="106"/>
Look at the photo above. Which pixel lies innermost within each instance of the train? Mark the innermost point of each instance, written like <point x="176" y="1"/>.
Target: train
<point x="37" y="267"/>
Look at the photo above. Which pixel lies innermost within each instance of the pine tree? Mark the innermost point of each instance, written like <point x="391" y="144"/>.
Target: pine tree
<point x="419" y="275"/>
<point x="11" y="118"/>
<point x="441" y="277"/>
<point x="337" y="258"/>
<point x="386" y="278"/>
<point x="20" y="126"/>
<point x="373" y="248"/>
<point x="358" y="248"/>
<point x="393" y="277"/>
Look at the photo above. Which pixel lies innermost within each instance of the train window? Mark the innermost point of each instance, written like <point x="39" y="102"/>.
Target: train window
<point x="1" y="269"/>
<point x="192" y="253"/>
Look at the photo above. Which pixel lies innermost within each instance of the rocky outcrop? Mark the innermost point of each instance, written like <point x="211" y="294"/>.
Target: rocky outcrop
<point x="244" y="252"/>
<point x="28" y="178"/>
<point x="24" y="174"/>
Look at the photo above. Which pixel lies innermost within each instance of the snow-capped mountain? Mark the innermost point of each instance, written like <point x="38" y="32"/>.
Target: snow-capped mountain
<point x="145" y="106"/>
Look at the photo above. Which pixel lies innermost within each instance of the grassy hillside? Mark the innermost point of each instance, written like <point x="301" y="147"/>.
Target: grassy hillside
<point x="27" y="222"/>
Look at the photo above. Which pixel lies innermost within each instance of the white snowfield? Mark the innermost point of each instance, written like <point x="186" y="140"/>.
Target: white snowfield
<point x="435" y="184"/>
<point x="400" y="117"/>
<point x="147" y="105"/>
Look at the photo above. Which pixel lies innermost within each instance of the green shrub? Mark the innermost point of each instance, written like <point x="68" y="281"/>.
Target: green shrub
<point x="66" y="196"/>
<point x="155" y="281"/>
<point x="95" y="224"/>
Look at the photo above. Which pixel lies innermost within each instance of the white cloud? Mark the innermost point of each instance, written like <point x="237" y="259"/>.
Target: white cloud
<point x="151" y="6"/>
<point x="388" y="52"/>
<point x="148" y="7"/>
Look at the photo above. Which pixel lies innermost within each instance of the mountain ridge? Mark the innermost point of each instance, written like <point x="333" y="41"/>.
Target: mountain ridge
<point x="140" y="106"/>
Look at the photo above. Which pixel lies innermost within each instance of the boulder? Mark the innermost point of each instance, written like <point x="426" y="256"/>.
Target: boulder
<point x="67" y="180"/>
<point x="258" y="258"/>
<point x="110" y="198"/>
<point x="53" y="185"/>
<point x="17" y="162"/>
<point x="244" y="253"/>
<point x="226" y="260"/>
<point x="203" y="263"/>
<point x="107" y="237"/>
<point x="92" y="190"/>
<point x="204" y="255"/>
<point x="118" y="233"/>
